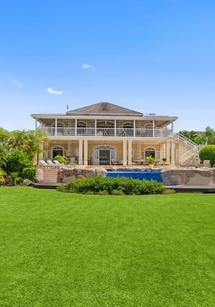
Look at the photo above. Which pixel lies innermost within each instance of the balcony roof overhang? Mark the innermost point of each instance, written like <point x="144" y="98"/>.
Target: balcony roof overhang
<point x="169" y="119"/>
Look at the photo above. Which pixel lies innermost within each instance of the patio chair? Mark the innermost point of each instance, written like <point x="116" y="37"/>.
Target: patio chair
<point x="42" y="163"/>
<point x="50" y="163"/>
<point x="57" y="163"/>
<point x="206" y="163"/>
<point x="116" y="162"/>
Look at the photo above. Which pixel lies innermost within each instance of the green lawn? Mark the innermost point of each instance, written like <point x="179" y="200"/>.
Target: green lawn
<point x="61" y="249"/>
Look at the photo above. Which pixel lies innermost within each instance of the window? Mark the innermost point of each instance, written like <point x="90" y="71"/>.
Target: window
<point x="128" y="125"/>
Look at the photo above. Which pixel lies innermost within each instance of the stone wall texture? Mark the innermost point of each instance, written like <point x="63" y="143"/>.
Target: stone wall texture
<point x="170" y="177"/>
<point x="202" y="177"/>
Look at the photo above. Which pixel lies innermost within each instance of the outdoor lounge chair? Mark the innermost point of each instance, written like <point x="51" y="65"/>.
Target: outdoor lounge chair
<point x="116" y="162"/>
<point x="42" y="163"/>
<point x="57" y="163"/>
<point x="206" y="163"/>
<point x="50" y="163"/>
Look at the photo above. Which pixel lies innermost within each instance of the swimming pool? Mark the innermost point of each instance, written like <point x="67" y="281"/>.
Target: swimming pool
<point x="149" y="174"/>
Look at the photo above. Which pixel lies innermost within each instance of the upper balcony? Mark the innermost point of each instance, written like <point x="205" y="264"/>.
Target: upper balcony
<point x="107" y="132"/>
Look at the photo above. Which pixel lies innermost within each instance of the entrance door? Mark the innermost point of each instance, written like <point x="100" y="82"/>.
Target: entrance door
<point x="104" y="156"/>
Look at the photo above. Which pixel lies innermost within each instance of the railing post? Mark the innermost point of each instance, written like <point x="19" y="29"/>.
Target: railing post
<point x="115" y="127"/>
<point x="153" y="128"/>
<point x="95" y="127"/>
<point x="75" y="126"/>
<point x="55" y="127"/>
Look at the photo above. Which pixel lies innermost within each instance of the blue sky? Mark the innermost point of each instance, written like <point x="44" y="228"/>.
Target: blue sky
<point x="155" y="56"/>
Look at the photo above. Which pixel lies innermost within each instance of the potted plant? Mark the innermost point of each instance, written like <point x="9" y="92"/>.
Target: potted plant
<point x="150" y="160"/>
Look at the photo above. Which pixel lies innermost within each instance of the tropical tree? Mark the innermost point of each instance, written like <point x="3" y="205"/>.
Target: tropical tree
<point x="28" y="142"/>
<point x="206" y="137"/>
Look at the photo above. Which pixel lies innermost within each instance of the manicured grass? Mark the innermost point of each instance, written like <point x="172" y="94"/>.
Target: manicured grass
<point x="76" y="250"/>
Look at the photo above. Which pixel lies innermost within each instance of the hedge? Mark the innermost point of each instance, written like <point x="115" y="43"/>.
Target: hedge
<point x="103" y="185"/>
<point x="208" y="153"/>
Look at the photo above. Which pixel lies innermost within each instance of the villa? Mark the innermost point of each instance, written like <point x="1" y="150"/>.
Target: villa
<point x="108" y="134"/>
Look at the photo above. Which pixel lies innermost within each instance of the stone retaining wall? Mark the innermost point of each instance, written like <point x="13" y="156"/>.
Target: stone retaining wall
<point x="170" y="177"/>
<point x="202" y="177"/>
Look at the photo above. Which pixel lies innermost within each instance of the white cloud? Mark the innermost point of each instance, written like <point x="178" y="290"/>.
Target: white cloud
<point x="17" y="83"/>
<point x="88" y="67"/>
<point x="52" y="91"/>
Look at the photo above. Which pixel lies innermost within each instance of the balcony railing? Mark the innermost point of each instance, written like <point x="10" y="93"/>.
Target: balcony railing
<point x="119" y="132"/>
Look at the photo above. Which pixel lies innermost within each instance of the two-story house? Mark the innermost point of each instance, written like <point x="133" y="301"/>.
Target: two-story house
<point x="105" y="133"/>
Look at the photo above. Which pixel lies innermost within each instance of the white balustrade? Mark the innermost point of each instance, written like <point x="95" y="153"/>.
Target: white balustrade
<point x="108" y="132"/>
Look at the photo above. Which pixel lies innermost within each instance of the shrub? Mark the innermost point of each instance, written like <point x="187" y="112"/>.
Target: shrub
<point x="15" y="178"/>
<point x="208" y="153"/>
<point x="102" y="185"/>
<point x="2" y="177"/>
<point x="15" y="162"/>
<point x="61" y="159"/>
<point x="29" y="173"/>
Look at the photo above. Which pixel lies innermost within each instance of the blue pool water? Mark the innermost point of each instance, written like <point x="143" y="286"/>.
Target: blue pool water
<point x="136" y="174"/>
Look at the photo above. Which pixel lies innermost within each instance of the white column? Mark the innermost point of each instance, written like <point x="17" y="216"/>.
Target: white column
<point x="124" y="152"/>
<point x="35" y="124"/>
<point x="173" y="153"/>
<point x="69" y="149"/>
<point x="95" y="126"/>
<point x="168" y="152"/>
<point x="85" y="152"/>
<point x="55" y="127"/>
<point x="134" y="125"/>
<point x="161" y="152"/>
<point x="115" y="127"/>
<point x="129" y="152"/>
<point x="80" y="152"/>
<point x="76" y="126"/>
<point x="153" y="128"/>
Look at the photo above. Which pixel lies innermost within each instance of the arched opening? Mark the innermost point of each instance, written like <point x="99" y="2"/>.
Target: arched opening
<point x="103" y="155"/>
<point x="81" y="127"/>
<point x="128" y="128"/>
<point x="149" y="152"/>
<point x="105" y="128"/>
<point x="57" y="151"/>
<point x="60" y="128"/>
<point x="148" y="130"/>
<point x="128" y="125"/>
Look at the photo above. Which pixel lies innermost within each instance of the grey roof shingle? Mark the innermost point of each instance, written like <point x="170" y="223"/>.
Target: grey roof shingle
<point x="104" y="108"/>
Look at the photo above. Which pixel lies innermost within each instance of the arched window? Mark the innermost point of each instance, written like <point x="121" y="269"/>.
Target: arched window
<point x="148" y="130"/>
<point x="128" y="125"/>
<point x="57" y="151"/>
<point x="149" y="152"/>
<point x="60" y="128"/>
<point x="81" y="124"/>
<point x="105" y="124"/>
<point x="105" y="128"/>
<point x="81" y="127"/>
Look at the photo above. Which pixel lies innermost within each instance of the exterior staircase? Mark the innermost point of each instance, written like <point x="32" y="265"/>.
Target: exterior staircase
<point x="191" y="155"/>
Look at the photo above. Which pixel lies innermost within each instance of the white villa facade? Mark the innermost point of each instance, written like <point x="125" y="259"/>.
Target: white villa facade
<point x="105" y="134"/>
